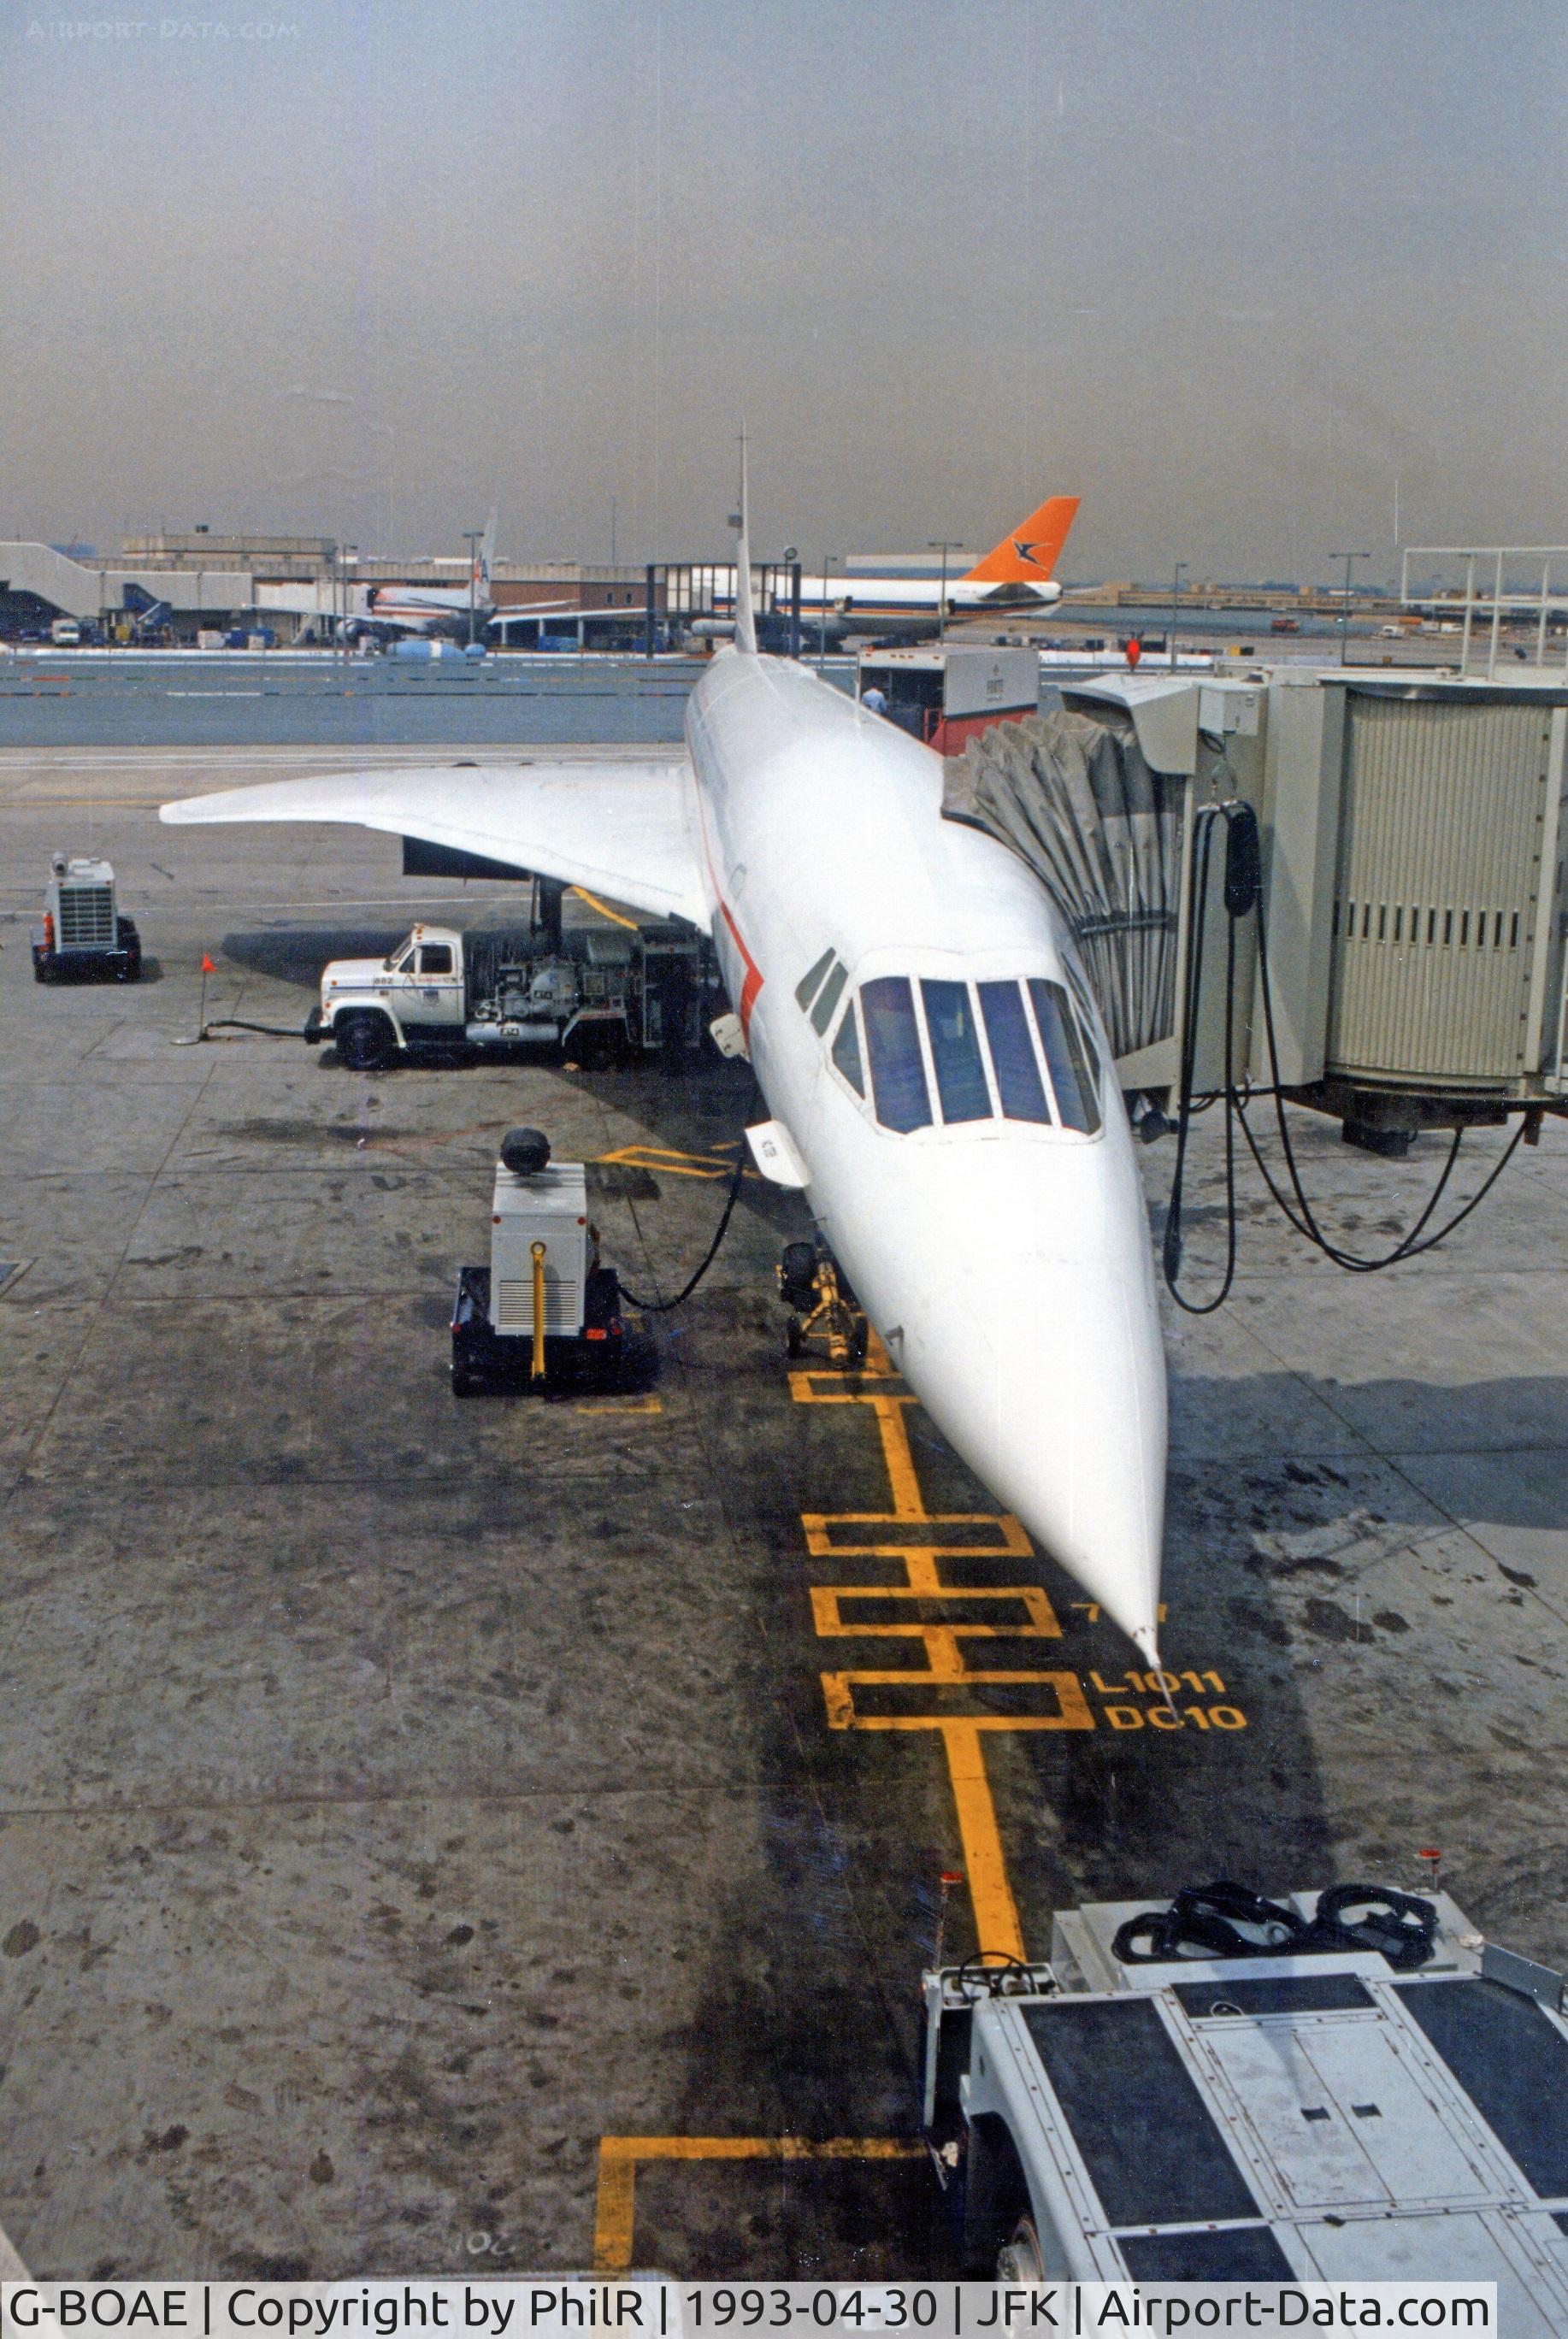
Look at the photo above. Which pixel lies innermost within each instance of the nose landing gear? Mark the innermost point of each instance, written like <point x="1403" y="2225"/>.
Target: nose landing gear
<point x="824" y="1311"/>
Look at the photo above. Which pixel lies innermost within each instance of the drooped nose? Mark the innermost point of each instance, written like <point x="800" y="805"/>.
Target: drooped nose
<point x="1082" y="1458"/>
<point x="1037" y="1350"/>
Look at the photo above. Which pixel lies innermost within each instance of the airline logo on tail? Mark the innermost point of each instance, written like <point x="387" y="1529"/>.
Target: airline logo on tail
<point x="1030" y="557"/>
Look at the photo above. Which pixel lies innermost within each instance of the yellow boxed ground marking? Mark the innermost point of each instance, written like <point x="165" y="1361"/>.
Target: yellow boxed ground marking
<point x="1063" y="1704"/>
<point x="827" y="1600"/>
<point x="951" y="1622"/>
<point x="615" y="2216"/>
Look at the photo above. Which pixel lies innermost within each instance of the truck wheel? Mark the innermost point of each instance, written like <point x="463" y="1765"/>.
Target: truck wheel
<point x="365" y="1042"/>
<point x="1021" y="2260"/>
<point x="129" y="971"/>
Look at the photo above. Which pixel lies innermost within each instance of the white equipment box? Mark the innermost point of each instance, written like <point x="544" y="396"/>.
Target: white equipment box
<point x="81" y="898"/>
<point x="1288" y="2118"/>
<point x="549" y="1208"/>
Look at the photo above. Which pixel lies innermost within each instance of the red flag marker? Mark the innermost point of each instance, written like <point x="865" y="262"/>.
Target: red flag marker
<point x="208" y="966"/>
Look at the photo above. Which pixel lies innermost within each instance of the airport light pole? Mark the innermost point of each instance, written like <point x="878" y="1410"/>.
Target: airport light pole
<point x="944" y="545"/>
<point x="822" y="636"/>
<point x="1175" y="604"/>
<point x="1344" y="607"/>
<point x="348" y="566"/>
<point x="472" y="537"/>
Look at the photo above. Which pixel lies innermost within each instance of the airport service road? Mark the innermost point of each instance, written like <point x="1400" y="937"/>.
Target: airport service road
<point x="434" y="1835"/>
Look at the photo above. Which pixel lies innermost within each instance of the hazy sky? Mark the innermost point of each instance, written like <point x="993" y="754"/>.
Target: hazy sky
<point x="367" y="266"/>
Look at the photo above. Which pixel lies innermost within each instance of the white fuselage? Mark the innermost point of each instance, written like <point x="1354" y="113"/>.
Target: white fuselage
<point x="1005" y="1262"/>
<point x="422" y="608"/>
<point x="891" y="597"/>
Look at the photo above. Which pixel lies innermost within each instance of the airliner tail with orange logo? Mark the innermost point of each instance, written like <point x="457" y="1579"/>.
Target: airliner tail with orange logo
<point x="1017" y="575"/>
<point x="1028" y="555"/>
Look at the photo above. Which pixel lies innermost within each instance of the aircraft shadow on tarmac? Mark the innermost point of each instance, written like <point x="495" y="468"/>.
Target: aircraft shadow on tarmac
<point x="297" y="955"/>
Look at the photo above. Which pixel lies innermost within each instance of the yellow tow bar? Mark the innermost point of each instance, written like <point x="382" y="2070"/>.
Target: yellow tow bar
<point x="536" y="1369"/>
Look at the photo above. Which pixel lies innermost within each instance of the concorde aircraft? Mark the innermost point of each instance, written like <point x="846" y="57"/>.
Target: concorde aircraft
<point x="939" y="1080"/>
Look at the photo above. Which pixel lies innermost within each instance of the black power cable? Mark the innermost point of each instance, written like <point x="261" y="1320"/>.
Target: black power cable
<point x="1243" y="895"/>
<point x="1409" y="1245"/>
<point x="270" y="1030"/>
<point x="1202" y="864"/>
<point x="1225" y="1919"/>
<point x="662" y="1306"/>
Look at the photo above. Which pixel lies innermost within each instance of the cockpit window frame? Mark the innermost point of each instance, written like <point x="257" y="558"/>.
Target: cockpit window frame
<point x="825" y="1005"/>
<point x="1070" y="1107"/>
<point x="948" y="1067"/>
<point x="1050" y="1001"/>
<point x="915" y="1021"/>
<point x="806" y="988"/>
<point x="849" y="1021"/>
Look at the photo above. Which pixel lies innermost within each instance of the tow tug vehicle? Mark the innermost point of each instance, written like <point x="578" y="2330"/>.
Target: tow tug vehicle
<point x="1352" y="2084"/>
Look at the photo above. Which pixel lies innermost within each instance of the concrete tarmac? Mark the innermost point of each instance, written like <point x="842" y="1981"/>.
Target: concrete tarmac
<point x="400" y="1799"/>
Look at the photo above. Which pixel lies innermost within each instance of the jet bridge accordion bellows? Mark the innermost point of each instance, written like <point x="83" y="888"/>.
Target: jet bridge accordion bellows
<point x="1074" y="798"/>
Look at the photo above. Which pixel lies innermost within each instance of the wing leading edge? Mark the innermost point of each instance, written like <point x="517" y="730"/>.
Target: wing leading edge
<point x="622" y="829"/>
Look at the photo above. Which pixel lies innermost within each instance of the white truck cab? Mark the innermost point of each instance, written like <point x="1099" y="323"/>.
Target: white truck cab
<point x="371" y="1006"/>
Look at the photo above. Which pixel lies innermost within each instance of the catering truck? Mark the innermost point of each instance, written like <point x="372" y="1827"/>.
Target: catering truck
<point x="594" y="988"/>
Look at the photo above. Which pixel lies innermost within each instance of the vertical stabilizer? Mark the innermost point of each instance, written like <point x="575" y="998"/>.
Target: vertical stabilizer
<point x="487" y="554"/>
<point x="745" y="616"/>
<point x="1030" y="554"/>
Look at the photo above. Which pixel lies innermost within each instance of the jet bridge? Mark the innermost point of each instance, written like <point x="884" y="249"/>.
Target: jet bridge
<point x="1413" y="891"/>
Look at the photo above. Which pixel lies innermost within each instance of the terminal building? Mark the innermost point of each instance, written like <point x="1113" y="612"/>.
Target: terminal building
<point x="176" y="586"/>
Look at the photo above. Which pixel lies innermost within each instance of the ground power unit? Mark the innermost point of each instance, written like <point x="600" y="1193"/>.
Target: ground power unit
<point x="543" y="1313"/>
<point x="83" y="934"/>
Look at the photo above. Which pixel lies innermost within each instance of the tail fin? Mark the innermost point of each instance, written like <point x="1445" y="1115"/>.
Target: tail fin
<point x="745" y="616"/>
<point x="1028" y="555"/>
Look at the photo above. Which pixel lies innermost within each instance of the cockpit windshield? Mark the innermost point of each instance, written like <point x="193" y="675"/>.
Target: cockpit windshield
<point x="892" y="1044"/>
<point x="963" y="1052"/>
<point x="1019" y="1085"/>
<point x="955" y="1052"/>
<point x="1064" y="1055"/>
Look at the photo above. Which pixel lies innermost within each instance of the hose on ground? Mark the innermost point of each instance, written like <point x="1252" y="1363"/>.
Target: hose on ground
<point x="1243" y="896"/>
<point x="1224" y="1920"/>
<point x="237" y="1024"/>
<point x="664" y="1307"/>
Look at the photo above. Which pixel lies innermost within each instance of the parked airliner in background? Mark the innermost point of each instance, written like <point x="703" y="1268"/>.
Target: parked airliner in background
<point x="939" y="1080"/>
<point x="1017" y="576"/>
<point x="391" y="612"/>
